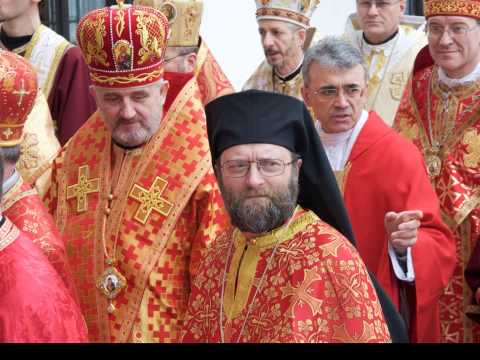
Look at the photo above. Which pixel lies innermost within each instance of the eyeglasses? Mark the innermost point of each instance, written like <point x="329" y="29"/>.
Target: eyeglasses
<point x="174" y="57"/>
<point x="456" y="31"/>
<point x="367" y="4"/>
<point x="331" y="92"/>
<point x="266" y="167"/>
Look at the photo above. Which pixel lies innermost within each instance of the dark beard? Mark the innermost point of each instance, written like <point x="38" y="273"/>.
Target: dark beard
<point x="261" y="218"/>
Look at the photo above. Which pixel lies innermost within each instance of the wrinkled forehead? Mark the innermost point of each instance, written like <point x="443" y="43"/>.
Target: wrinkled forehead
<point x="447" y="20"/>
<point x="269" y="25"/>
<point x="255" y="151"/>
<point x="131" y="90"/>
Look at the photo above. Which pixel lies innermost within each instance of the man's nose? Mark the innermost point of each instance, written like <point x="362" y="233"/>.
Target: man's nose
<point x="254" y="178"/>
<point x="373" y="10"/>
<point x="128" y="110"/>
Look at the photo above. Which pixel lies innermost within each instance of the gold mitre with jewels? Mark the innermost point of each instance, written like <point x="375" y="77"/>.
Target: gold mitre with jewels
<point x="184" y="16"/>
<point x="297" y="12"/>
<point x="124" y="45"/>
<point x="469" y="8"/>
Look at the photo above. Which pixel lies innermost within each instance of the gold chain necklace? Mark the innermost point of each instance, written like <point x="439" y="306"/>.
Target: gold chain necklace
<point x="433" y="159"/>
<point x="260" y="283"/>
<point x="111" y="282"/>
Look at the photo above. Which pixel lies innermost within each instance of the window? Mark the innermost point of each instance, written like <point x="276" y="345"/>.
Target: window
<point x="63" y="16"/>
<point x="414" y="7"/>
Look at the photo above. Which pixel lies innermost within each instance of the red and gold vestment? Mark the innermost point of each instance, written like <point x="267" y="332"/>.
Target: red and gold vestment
<point x="432" y="114"/>
<point x="163" y="205"/>
<point x="304" y="282"/>
<point x="24" y="208"/>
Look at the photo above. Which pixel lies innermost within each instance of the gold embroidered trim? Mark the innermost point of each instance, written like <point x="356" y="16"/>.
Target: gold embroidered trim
<point x="234" y="304"/>
<point x="288" y="14"/>
<point x="8" y="234"/>
<point x="123" y="80"/>
<point x="59" y="52"/>
<point x="14" y="195"/>
<point x="470" y="8"/>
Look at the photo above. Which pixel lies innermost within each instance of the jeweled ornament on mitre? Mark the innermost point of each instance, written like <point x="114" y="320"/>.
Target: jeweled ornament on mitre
<point x="469" y="8"/>
<point x="18" y="90"/>
<point x="298" y="12"/>
<point x="124" y="45"/>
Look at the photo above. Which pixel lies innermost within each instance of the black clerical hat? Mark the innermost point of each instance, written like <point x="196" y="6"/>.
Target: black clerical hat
<point x="255" y="116"/>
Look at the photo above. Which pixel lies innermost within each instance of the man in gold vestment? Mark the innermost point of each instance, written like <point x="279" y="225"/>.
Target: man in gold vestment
<point x="389" y="43"/>
<point x="134" y="188"/>
<point x="285" y="33"/>
<point x="187" y="51"/>
<point x="439" y="112"/>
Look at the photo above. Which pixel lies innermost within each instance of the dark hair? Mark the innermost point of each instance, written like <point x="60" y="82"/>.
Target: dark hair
<point x="11" y="154"/>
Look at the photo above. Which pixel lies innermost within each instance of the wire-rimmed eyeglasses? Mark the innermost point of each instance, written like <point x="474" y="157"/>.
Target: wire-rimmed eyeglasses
<point x="266" y="167"/>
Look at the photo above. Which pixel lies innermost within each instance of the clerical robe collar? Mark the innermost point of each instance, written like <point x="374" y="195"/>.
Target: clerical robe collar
<point x="468" y="79"/>
<point x="386" y="46"/>
<point x="13" y="42"/>
<point x="9" y="183"/>
<point x="292" y="74"/>
<point x="338" y="146"/>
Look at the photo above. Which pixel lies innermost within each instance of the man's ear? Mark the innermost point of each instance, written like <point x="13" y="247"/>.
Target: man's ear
<point x="164" y="88"/>
<point x="190" y="62"/>
<point x="302" y="35"/>
<point x="403" y="6"/>
<point x="305" y="95"/>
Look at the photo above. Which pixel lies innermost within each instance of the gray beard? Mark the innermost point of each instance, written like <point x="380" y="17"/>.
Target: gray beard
<point x="261" y="218"/>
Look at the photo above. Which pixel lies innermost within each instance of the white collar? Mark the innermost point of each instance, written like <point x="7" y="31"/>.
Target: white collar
<point x="11" y="181"/>
<point x="291" y="72"/>
<point x="386" y="47"/>
<point x="450" y="82"/>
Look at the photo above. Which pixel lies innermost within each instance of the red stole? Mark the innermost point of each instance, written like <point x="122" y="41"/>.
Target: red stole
<point x="154" y="185"/>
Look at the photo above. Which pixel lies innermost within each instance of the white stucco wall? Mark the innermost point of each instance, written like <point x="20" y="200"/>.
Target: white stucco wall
<point x="230" y="29"/>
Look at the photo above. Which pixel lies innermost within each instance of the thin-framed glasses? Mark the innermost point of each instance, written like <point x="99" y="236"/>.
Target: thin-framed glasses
<point x="174" y="57"/>
<point x="266" y="167"/>
<point x="436" y="31"/>
<point x="367" y="4"/>
<point x="331" y="92"/>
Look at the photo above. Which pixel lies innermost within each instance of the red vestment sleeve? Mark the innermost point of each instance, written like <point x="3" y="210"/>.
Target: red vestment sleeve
<point x="70" y="101"/>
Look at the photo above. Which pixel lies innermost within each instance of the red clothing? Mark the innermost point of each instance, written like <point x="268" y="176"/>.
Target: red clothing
<point x="315" y="289"/>
<point x="22" y="205"/>
<point x="385" y="173"/>
<point x="69" y="100"/>
<point x="35" y="306"/>
<point x="431" y="112"/>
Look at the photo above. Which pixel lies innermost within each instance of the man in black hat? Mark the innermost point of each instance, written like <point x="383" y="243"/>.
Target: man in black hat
<point x="285" y="271"/>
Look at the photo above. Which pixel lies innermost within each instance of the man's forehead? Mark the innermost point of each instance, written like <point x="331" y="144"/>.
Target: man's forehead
<point x="273" y="24"/>
<point x="128" y="90"/>
<point x="257" y="148"/>
<point x="447" y="19"/>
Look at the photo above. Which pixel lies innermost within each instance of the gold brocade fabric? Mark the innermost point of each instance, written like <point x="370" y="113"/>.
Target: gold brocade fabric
<point x="211" y="79"/>
<point x="45" y="51"/>
<point x="165" y="208"/>
<point x="455" y="119"/>
<point x="22" y="205"/>
<point x="389" y="75"/>
<point x="315" y="289"/>
<point x="39" y="146"/>
<point x="265" y="79"/>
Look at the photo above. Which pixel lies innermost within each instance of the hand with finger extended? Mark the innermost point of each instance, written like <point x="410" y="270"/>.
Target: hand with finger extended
<point x="402" y="229"/>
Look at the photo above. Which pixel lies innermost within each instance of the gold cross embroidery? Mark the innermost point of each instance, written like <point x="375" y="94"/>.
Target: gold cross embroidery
<point x="83" y="188"/>
<point x="151" y="200"/>
<point x="21" y="93"/>
<point x="7" y="132"/>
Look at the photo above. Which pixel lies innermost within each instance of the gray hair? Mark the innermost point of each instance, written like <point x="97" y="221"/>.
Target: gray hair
<point x="11" y="154"/>
<point x="334" y="52"/>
